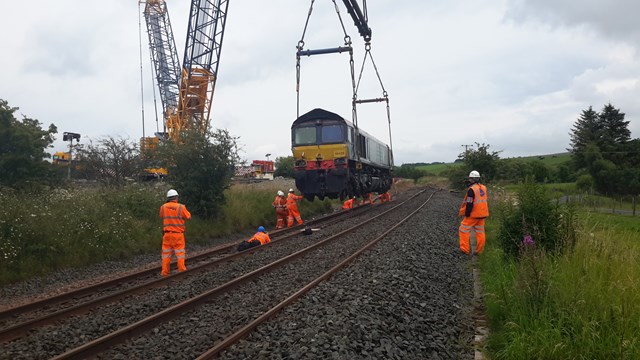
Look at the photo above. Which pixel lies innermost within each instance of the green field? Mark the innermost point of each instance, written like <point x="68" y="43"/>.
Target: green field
<point x="551" y="160"/>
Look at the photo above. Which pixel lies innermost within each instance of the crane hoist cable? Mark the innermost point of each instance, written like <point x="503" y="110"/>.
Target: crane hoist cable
<point x="360" y="18"/>
<point x="340" y="49"/>
<point x="385" y="95"/>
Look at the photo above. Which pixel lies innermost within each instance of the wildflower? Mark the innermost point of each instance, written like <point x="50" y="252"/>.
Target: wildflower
<point x="528" y="240"/>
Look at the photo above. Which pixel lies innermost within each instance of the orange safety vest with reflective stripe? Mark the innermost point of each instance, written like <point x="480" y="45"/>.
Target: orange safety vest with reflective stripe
<point x="291" y="202"/>
<point x="263" y="237"/>
<point x="480" y="209"/>
<point x="173" y="215"/>
<point x="279" y="203"/>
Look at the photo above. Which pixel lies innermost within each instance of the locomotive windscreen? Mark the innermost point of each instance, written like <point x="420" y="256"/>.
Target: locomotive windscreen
<point x="305" y="135"/>
<point x="332" y="134"/>
<point x="324" y="134"/>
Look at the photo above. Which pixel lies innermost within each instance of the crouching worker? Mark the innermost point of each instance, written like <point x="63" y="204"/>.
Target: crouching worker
<point x="348" y="205"/>
<point x="259" y="238"/>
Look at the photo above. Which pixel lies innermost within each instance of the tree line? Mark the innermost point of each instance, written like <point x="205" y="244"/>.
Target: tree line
<point x="200" y="164"/>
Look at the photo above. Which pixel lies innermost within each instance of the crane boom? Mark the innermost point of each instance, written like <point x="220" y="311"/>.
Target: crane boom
<point x="359" y="18"/>
<point x="164" y="55"/>
<point x="205" y="33"/>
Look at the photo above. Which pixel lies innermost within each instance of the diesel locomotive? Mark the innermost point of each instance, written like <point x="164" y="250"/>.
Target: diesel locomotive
<point x="332" y="159"/>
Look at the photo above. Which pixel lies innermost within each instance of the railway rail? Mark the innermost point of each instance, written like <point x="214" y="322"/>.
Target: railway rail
<point x="151" y="322"/>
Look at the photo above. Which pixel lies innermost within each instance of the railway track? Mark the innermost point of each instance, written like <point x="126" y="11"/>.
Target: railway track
<point x="18" y="321"/>
<point x="222" y="290"/>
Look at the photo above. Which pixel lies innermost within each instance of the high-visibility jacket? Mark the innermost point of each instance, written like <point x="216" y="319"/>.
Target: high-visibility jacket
<point x="475" y="206"/>
<point x="292" y="205"/>
<point x="280" y="203"/>
<point x="263" y="237"/>
<point x="348" y="204"/>
<point x="173" y="215"/>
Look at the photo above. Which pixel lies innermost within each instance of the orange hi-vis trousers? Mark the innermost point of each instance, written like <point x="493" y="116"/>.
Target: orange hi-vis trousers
<point x="466" y="227"/>
<point x="281" y="216"/>
<point x="293" y="214"/>
<point x="172" y="242"/>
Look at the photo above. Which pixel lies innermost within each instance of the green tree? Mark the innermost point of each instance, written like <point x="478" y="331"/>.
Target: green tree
<point x="480" y="159"/>
<point x="112" y="160"/>
<point x="200" y="167"/>
<point x="606" y="151"/>
<point x="284" y="166"/>
<point x="586" y="130"/>
<point x="22" y="150"/>
<point x="615" y="133"/>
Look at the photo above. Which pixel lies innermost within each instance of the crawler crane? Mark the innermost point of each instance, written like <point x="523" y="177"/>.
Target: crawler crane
<point x="186" y="92"/>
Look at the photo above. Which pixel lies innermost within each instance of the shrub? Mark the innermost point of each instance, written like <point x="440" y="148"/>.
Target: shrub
<point x="549" y="225"/>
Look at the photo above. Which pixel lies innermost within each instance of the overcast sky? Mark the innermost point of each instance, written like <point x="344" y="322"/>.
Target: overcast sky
<point x="511" y="74"/>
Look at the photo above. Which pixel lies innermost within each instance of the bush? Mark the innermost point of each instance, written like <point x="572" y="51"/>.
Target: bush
<point x="549" y="225"/>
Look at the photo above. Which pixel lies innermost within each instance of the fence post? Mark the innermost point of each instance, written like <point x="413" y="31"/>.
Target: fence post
<point x="633" y="201"/>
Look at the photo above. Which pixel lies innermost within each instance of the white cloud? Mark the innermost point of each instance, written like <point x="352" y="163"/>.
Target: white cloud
<point x="512" y="74"/>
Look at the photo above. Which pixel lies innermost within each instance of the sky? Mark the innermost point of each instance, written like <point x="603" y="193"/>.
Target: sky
<point x="512" y="74"/>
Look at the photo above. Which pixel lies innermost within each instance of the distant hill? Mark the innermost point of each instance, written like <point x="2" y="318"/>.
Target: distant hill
<point x="437" y="168"/>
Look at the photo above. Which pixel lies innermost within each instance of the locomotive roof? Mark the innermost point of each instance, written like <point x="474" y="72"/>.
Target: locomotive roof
<point x="316" y="114"/>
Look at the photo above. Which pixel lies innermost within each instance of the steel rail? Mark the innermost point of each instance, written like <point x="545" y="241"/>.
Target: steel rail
<point x="90" y="289"/>
<point x="97" y="346"/>
<point x="238" y="335"/>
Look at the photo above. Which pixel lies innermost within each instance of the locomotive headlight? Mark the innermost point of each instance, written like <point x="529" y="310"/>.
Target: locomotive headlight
<point x="340" y="161"/>
<point x="300" y="163"/>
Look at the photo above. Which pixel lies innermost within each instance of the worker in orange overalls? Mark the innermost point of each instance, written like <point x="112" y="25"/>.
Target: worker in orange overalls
<point x="173" y="216"/>
<point x="348" y="205"/>
<point x="292" y="207"/>
<point x="259" y="238"/>
<point x="475" y="209"/>
<point x="280" y="204"/>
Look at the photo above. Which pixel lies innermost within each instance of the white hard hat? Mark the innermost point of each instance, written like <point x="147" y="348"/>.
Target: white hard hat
<point x="290" y="190"/>
<point x="171" y="193"/>
<point x="280" y="193"/>
<point x="474" y="174"/>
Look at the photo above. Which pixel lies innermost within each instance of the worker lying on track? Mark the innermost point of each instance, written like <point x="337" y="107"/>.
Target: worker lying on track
<point x="259" y="238"/>
<point x="292" y="207"/>
<point x="280" y="204"/>
<point x="348" y="205"/>
<point x="173" y="215"/>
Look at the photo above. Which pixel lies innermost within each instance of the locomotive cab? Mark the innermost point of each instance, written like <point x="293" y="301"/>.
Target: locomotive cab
<point x="325" y="161"/>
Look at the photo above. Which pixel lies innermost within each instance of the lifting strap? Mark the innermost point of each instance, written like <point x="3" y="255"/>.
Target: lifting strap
<point x="385" y="95"/>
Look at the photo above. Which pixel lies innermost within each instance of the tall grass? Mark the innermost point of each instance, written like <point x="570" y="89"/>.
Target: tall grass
<point x="581" y="304"/>
<point x="73" y="228"/>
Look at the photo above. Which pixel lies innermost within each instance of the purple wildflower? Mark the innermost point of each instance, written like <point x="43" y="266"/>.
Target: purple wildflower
<point x="528" y="240"/>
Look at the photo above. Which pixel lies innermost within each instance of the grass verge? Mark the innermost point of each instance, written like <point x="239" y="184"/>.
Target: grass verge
<point x="75" y="228"/>
<point x="581" y="304"/>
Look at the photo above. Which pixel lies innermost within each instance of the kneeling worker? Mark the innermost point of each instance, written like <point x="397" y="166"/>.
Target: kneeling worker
<point x="347" y="205"/>
<point x="259" y="238"/>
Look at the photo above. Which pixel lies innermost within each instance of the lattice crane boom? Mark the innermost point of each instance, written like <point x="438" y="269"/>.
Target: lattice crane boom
<point x="164" y="55"/>
<point x="205" y="33"/>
